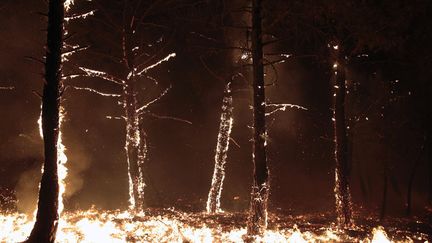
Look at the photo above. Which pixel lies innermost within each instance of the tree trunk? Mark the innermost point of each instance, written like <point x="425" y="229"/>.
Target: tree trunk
<point x="225" y="126"/>
<point x="45" y="227"/>
<point x="342" y="172"/>
<point x="383" y="210"/>
<point x="411" y="180"/>
<point x="136" y="147"/>
<point x="429" y="159"/>
<point x="257" y="221"/>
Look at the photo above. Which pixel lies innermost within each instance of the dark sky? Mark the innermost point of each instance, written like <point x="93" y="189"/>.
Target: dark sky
<point x="181" y="156"/>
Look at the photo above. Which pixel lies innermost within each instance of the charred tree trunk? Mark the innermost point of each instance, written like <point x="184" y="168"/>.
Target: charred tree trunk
<point x="136" y="146"/>
<point x="383" y="210"/>
<point x="257" y="221"/>
<point x="342" y="172"/>
<point x="225" y="126"/>
<point x="429" y="158"/>
<point x="411" y="180"/>
<point x="46" y="224"/>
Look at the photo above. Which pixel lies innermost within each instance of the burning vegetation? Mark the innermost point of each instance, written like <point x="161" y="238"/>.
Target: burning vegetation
<point x="242" y="45"/>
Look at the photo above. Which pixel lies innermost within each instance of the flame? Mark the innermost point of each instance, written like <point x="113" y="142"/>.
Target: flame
<point x="62" y="160"/>
<point x="172" y="226"/>
<point x="379" y="236"/>
<point x="68" y="4"/>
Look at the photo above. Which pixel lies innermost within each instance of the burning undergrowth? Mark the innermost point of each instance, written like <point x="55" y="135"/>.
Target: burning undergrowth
<point x="170" y="225"/>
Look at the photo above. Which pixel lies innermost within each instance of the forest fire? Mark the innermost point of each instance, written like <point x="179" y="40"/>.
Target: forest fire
<point x="174" y="226"/>
<point x="330" y="143"/>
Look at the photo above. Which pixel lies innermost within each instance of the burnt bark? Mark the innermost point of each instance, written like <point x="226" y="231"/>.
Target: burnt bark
<point x="46" y="224"/>
<point x="257" y="220"/>
<point x="342" y="172"/>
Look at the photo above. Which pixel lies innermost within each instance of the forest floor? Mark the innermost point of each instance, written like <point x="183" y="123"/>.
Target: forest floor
<point x="170" y="225"/>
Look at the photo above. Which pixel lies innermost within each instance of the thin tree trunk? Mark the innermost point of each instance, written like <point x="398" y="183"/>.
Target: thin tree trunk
<point x="136" y="146"/>
<point x="342" y="172"/>
<point x="429" y="158"/>
<point x="225" y="126"/>
<point x="257" y="221"/>
<point x="383" y="210"/>
<point x="46" y="224"/>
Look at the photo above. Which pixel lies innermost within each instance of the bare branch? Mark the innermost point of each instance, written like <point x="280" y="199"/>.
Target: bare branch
<point x="74" y="50"/>
<point x="144" y="70"/>
<point x="102" y="75"/>
<point x="168" y="117"/>
<point x="80" y="16"/>
<point x="35" y="59"/>
<point x="283" y="107"/>
<point x="95" y="91"/>
<point x="144" y="107"/>
<point x="116" y="117"/>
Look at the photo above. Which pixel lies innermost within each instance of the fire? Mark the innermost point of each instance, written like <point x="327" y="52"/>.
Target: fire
<point x="379" y="236"/>
<point x="166" y="226"/>
<point x="62" y="160"/>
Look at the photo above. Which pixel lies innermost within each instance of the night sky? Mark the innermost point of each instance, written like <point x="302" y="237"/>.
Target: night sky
<point x="181" y="155"/>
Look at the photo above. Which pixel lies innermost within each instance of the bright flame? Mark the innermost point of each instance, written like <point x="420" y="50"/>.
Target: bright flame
<point x="379" y="236"/>
<point x="62" y="160"/>
<point x="68" y="4"/>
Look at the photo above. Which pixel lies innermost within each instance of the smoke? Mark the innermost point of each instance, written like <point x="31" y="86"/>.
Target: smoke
<point x="27" y="190"/>
<point x="77" y="164"/>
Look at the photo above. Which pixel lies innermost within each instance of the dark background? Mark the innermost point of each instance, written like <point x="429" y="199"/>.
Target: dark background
<point x="181" y="156"/>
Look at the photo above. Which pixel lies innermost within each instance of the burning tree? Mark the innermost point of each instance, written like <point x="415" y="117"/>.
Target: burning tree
<point x="223" y="140"/>
<point x="257" y="220"/>
<point x="134" y="62"/>
<point x="247" y="60"/>
<point x="47" y="216"/>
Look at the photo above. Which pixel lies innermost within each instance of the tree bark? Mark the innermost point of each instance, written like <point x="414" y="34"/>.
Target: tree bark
<point x="342" y="172"/>
<point x="225" y="126"/>
<point x="257" y="221"/>
<point x="45" y="227"/>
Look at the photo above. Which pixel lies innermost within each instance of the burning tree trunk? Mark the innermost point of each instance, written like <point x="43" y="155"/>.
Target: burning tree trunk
<point x="134" y="70"/>
<point x="257" y="221"/>
<point x="136" y="147"/>
<point x="342" y="171"/>
<point x="45" y="227"/>
<point x="225" y="126"/>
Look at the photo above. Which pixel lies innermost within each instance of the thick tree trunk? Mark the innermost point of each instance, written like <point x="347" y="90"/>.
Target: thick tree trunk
<point x="225" y="126"/>
<point x="342" y="172"/>
<point x="257" y="221"/>
<point x="45" y="227"/>
<point x="411" y="180"/>
<point x="136" y="147"/>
